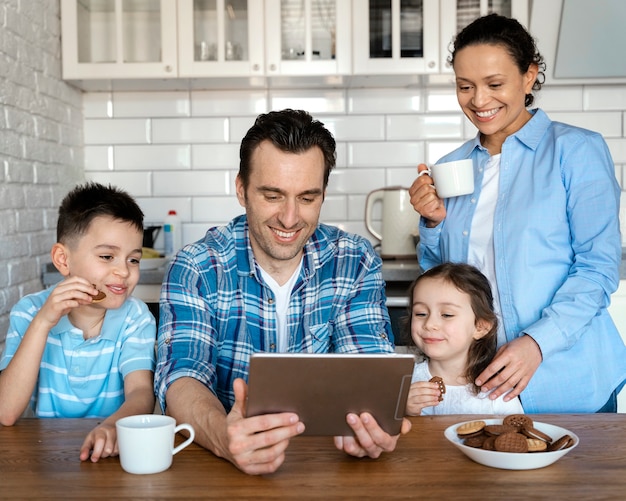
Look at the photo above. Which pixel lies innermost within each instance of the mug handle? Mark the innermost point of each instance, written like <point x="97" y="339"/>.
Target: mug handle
<point x="425" y="171"/>
<point x="192" y="435"/>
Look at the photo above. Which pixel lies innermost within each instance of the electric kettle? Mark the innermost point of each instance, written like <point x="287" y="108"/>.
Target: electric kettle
<point x="400" y="221"/>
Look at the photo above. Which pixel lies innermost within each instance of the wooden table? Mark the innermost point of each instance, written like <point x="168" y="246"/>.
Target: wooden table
<point x="39" y="460"/>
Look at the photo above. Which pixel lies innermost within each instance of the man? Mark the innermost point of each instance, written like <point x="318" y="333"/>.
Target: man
<point x="274" y="280"/>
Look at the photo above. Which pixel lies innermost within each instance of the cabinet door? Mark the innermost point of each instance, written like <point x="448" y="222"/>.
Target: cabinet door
<point x="308" y="37"/>
<point x="396" y="36"/>
<point x="456" y="14"/>
<point x="219" y="38"/>
<point x="107" y="39"/>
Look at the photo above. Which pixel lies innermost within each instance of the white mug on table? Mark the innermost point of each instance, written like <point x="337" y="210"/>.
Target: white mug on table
<point x="452" y="179"/>
<point x="146" y="442"/>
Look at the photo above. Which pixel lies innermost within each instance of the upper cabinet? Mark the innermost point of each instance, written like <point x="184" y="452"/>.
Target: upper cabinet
<point x="308" y="37"/>
<point x="203" y="39"/>
<point x="456" y="14"/>
<point x="108" y="39"/>
<point x="220" y="38"/>
<point x="396" y="36"/>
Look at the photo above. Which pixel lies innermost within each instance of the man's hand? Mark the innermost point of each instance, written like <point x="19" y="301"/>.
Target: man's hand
<point x="511" y="369"/>
<point x="257" y="444"/>
<point x="369" y="438"/>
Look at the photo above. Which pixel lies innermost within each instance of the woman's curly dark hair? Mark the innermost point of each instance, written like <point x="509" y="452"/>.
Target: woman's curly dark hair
<point x="495" y="29"/>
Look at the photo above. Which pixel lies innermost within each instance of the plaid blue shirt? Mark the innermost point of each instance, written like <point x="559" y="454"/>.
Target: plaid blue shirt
<point x="216" y="310"/>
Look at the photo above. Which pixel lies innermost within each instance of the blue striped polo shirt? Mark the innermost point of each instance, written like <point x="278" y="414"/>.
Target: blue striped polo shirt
<point x="85" y="377"/>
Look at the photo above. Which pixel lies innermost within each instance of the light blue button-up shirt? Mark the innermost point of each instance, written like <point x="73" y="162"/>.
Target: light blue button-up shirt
<point x="557" y="251"/>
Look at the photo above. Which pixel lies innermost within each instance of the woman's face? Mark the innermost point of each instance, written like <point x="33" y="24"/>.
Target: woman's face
<point x="491" y="91"/>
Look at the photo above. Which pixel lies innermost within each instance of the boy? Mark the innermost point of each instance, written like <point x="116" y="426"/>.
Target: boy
<point x="85" y="347"/>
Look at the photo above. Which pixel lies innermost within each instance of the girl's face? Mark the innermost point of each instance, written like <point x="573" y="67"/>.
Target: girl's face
<point x="491" y="91"/>
<point x="443" y="324"/>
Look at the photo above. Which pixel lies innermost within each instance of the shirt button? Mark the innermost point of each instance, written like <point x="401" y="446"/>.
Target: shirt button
<point x="384" y="335"/>
<point x="168" y="340"/>
<point x="270" y="301"/>
<point x="465" y="233"/>
<point x="473" y="200"/>
<point x="272" y="347"/>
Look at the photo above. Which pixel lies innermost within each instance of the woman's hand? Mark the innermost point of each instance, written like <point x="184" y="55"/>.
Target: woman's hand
<point x="511" y="369"/>
<point x="425" y="200"/>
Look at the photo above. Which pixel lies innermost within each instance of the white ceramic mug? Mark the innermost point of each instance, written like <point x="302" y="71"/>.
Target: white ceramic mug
<point x="146" y="442"/>
<point x="452" y="179"/>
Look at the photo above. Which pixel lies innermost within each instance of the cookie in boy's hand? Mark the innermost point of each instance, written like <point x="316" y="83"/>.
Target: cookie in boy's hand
<point x="442" y="386"/>
<point x="98" y="297"/>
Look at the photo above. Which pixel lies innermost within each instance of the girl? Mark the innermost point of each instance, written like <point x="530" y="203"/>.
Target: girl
<point x="453" y="324"/>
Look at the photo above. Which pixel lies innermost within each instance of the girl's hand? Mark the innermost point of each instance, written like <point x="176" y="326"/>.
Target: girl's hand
<point x="422" y="394"/>
<point x="425" y="200"/>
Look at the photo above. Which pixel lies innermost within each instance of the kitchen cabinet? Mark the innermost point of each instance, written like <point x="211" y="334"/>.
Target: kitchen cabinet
<point x="456" y="14"/>
<point x="108" y="39"/>
<point x="220" y="38"/>
<point x="136" y="39"/>
<point x="395" y="37"/>
<point x="315" y="37"/>
<point x="413" y="36"/>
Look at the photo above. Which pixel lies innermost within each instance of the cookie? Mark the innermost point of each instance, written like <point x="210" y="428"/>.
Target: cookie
<point x="562" y="443"/>
<point x="518" y="420"/>
<point x="489" y="444"/>
<point x="98" y="297"/>
<point x="498" y="429"/>
<point x="475" y="441"/>
<point x="531" y="432"/>
<point x="442" y="386"/>
<point x="469" y="428"/>
<point x="511" y="442"/>
<point x="536" y="445"/>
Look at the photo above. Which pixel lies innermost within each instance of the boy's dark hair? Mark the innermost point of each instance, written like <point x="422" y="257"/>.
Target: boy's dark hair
<point x="468" y="279"/>
<point x="90" y="200"/>
<point x="495" y="29"/>
<point x="293" y="131"/>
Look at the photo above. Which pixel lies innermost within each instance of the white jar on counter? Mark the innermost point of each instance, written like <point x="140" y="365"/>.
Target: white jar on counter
<point x="172" y="234"/>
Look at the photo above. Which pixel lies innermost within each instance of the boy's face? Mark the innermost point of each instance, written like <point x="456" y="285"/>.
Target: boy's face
<point x="108" y="256"/>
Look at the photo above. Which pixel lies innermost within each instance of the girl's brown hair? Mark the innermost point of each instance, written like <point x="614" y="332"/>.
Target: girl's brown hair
<point x="471" y="281"/>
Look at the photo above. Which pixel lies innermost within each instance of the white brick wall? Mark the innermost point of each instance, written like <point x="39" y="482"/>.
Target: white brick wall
<point x="179" y="150"/>
<point x="41" y="153"/>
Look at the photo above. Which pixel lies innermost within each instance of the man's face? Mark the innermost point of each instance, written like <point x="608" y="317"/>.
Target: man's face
<point x="283" y="202"/>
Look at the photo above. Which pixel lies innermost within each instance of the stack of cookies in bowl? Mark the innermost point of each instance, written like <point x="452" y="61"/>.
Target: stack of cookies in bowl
<point x="516" y="434"/>
<point x="516" y="442"/>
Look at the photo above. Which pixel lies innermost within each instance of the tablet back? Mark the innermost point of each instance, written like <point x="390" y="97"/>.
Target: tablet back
<point x="323" y="388"/>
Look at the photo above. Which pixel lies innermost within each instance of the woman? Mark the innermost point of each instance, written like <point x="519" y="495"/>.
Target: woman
<point x="542" y="225"/>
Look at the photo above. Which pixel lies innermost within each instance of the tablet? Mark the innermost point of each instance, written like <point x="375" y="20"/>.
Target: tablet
<point x="323" y="388"/>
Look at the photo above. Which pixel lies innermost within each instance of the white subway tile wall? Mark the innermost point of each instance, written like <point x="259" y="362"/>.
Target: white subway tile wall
<point x="180" y="150"/>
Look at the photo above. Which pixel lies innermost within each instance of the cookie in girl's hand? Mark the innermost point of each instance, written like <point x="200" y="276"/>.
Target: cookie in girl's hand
<point x="442" y="386"/>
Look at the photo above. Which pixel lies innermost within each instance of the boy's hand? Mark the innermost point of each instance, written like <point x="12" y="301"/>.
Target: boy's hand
<point x="101" y="442"/>
<point x="70" y="293"/>
<point x="422" y="394"/>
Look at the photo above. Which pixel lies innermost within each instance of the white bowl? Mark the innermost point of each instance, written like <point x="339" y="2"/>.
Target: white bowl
<point x="152" y="263"/>
<point x="513" y="460"/>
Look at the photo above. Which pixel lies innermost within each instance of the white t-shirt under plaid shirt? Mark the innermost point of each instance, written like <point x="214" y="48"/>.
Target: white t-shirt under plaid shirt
<point x="85" y="377"/>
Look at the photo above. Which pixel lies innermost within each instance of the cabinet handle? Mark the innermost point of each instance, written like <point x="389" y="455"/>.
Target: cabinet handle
<point x="272" y="67"/>
<point x="168" y="68"/>
<point x="432" y="64"/>
<point x="255" y="67"/>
